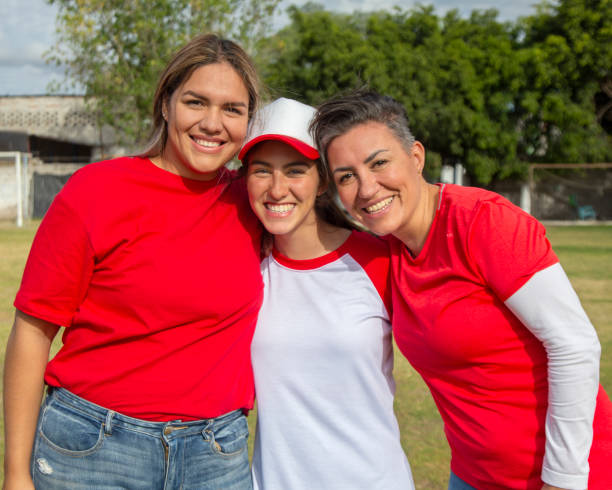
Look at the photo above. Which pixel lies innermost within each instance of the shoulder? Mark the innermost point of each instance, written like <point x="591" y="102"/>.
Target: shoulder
<point x="99" y="173"/>
<point x="372" y="254"/>
<point x="367" y="243"/>
<point x="366" y="249"/>
<point x="104" y="167"/>
<point x="99" y="186"/>
<point x="480" y="209"/>
<point x="503" y="244"/>
<point x="459" y="199"/>
<point x="236" y="182"/>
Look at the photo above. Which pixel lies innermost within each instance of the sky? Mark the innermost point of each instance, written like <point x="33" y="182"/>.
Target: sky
<point x="27" y="30"/>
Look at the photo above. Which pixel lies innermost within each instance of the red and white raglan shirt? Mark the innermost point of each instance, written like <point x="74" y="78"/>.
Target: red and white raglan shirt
<point x="156" y="278"/>
<point x="487" y="316"/>
<point x="323" y="359"/>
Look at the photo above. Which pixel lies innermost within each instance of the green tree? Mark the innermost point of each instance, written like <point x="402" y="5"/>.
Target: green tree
<point x="567" y="97"/>
<point x="454" y="76"/>
<point x="114" y="50"/>
<point x="469" y="119"/>
<point x="491" y="95"/>
<point x="317" y="55"/>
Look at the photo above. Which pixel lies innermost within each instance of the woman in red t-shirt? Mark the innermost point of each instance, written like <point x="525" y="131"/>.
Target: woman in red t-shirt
<point x="151" y="263"/>
<point x="481" y="308"/>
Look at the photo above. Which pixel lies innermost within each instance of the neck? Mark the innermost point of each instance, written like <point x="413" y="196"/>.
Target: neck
<point x="414" y="233"/>
<point x="168" y="164"/>
<point x="311" y="240"/>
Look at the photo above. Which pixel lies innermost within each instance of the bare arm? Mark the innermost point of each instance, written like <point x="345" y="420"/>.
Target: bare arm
<point x="27" y="353"/>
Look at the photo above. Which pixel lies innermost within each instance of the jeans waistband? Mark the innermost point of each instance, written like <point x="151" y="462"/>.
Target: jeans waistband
<point x="112" y="418"/>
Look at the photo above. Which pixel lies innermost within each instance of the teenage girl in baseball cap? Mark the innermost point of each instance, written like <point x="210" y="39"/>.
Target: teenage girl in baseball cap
<point x="322" y="353"/>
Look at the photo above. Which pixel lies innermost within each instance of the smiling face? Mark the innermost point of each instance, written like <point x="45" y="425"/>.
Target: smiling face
<point x="378" y="180"/>
<point x="207" y="119"/>
<point x="283" y="186"/>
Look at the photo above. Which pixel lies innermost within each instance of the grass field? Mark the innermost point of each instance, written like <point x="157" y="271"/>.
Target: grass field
<point x="586" y="255"/>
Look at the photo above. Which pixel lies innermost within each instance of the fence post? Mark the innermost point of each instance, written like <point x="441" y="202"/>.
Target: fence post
<point x="526" y="197"/>
<point x="530" y="188"/>
<point x="19" y="190"/>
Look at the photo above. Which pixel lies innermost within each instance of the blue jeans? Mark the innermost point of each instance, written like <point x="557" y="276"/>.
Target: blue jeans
<point x="456" y="483"/>
<point x="80" y="445"/>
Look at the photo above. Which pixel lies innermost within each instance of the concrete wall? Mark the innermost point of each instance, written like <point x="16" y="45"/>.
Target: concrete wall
<point x="8" y="190"/>
<point x="45" y="182"/>
<point x="40" y="184"/>
<point x="61" y="117"/>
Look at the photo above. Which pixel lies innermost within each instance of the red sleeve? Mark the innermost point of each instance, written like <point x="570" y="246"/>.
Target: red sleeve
<point x="59" y="266"/>
<point x="372" y="253"/>
<point x="507" y="246"/>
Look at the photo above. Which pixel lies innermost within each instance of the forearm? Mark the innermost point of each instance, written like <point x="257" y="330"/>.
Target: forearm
<point x="550" y="309"/>
<point x="26" y="357"/>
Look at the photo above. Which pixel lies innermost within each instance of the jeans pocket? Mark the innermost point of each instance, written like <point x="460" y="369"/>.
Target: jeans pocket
<point x="69" y="431"/>
<point x="230" y="439"/>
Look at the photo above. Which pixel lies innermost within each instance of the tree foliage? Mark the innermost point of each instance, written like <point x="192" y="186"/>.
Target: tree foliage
<point x="114" y="50"/>
<point x="488" y="94"/>
<point x="491" y="95"/>
<point x="568" y="72"/>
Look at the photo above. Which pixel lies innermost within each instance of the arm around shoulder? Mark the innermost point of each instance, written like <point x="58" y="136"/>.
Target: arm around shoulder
<point x="27" y="354"/>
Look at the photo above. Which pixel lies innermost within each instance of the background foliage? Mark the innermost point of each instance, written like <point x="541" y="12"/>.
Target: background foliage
<point x="115" y="49"/>
<point x="488" y="94"/>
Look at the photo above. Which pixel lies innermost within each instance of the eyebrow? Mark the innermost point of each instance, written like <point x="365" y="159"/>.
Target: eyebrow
<point x="373" y="155"/>
<point x="202" y="97"/>
<point x="286" y="165"/>
<point x="368" y="159"/>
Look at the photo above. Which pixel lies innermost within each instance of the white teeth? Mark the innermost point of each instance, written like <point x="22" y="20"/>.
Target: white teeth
<point x="379" y="205"/>
<point x="207" y="144"/>
<point x="280" y="208"/>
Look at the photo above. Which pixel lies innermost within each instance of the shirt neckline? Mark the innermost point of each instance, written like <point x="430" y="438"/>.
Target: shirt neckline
<point x="193" y="184"/>
<point x="317" y="262"/>
<point x="423" y="253"/>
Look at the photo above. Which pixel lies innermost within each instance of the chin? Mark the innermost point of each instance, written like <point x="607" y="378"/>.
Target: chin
<point x="210" y="165"/>
<point x="206" y="169"/>
<point x="379" y="229"/>
<point x="277" y="230"/>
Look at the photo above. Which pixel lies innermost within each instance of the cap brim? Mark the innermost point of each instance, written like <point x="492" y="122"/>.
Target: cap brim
<point x="306" y="150"/>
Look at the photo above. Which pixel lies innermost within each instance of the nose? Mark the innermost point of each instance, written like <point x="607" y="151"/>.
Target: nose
<point x="211" y="121"/>
<point x="278" y="187"/>
<point x="368" y="185"/>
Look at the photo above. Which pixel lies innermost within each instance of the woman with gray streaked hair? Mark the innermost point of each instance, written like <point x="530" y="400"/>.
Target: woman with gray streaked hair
<point x="482" y="309"/>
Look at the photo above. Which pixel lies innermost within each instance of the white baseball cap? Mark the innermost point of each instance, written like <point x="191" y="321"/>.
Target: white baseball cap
<point x="285" y="120"/>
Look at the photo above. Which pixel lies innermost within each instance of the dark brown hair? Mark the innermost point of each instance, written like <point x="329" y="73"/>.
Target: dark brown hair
<point x="327" y="205"/>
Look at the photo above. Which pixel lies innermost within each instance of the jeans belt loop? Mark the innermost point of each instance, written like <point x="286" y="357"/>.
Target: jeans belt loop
<point x="108" y="426"/>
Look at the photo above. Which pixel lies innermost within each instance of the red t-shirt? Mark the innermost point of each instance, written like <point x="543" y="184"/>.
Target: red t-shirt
<point x="156" y="279"/>
<point x="486" y="371"/>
